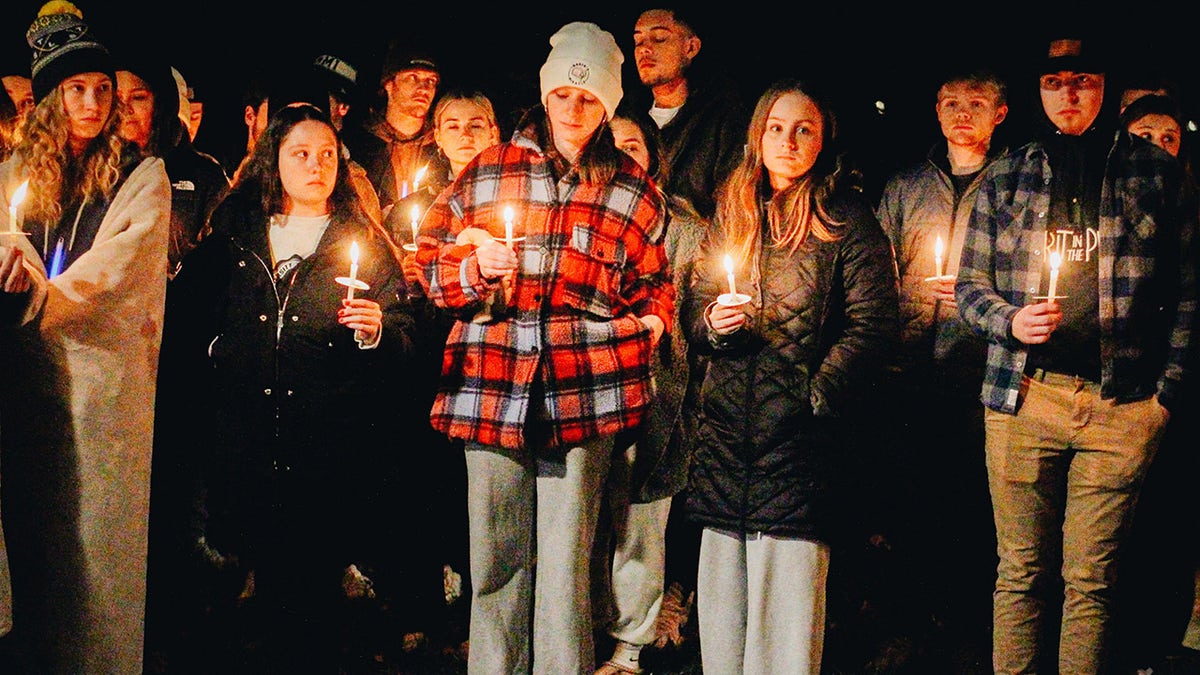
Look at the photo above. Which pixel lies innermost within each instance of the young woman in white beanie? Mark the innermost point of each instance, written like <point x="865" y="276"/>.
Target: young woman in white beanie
<point x="539" y="386"/>
<point x="81" y="305"/>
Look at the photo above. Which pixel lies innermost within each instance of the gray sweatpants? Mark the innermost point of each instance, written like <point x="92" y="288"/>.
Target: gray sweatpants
<point x="531" y="530"/>
<point x="760" y="603"/>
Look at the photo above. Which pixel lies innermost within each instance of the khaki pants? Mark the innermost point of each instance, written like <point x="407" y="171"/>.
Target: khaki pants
<point x="1064" y="475"/>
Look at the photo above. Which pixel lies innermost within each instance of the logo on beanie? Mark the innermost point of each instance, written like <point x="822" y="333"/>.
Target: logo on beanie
<point x="579" y="73"/>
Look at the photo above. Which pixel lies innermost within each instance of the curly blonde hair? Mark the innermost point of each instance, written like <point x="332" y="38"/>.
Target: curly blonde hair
<point x="45" y="154"/>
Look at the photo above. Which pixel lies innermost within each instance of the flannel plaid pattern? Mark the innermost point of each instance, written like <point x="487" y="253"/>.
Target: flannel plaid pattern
<point x="1147" y="270"/>
<point x="592" y="261"/>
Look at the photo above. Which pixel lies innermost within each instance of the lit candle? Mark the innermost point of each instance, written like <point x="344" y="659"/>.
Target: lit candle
<point x="508" y="226"/>
<point x="938" y="249"/>
<point x="17" y="198"/>
<point x="729" y="271"/>
<point x="419" y="175"/>
<point x="1055" y="261"/>
<point x="353" y="270"/>
<point x="416" y="213"/>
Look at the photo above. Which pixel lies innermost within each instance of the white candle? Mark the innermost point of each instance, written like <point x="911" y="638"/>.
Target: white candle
<point x="1055" y="261"/>
<point x="17" y="198"/>
<point x="353" y="270"/>
<point x="938" y="249"/>
<point x="508" y="226"/>
<point x="729" y="271"/>
<point x="416" y="213"/>
<point x="419" y="175"/>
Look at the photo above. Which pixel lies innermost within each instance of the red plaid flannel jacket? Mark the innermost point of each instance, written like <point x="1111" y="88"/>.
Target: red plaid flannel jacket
<point x="568" y="359"/>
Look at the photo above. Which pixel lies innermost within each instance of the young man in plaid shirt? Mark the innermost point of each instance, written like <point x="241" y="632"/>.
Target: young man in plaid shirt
<point x="1078" y="386"/>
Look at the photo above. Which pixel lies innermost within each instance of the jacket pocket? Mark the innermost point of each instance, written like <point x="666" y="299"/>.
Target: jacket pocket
<point x="591" y="272"/>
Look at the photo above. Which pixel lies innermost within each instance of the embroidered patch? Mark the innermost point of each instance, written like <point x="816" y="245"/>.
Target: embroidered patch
<point x="579" y="73"/>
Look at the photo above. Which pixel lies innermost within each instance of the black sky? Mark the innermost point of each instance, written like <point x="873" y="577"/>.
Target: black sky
<point x="869" y="52"/>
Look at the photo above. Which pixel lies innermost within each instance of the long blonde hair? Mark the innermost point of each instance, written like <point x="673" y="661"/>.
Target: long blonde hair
<point x="45" y="155"/>
<point x="793" y="213"/>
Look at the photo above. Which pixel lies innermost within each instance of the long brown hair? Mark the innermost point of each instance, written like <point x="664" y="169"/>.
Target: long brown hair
<point x="45" y="154"/>
<point x="793" y="213"/>
<point x="599" y="159"/>
<point x="260" y="174"/>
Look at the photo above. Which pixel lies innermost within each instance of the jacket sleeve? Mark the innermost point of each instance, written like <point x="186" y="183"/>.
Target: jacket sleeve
<point x="979" y="303"/>
<point x="646" y="284"/>
<point x="450" y="272"/>
<point x="1182" y="352"/>
<point x="870" y="327"/>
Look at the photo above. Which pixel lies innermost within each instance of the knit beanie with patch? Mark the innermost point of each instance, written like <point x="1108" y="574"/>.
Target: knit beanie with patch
<point x="586" y="56"/>
<point x="63" y="46"/>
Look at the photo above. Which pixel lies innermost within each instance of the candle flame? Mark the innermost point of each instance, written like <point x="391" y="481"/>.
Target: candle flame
<point x="508" y="214"/>
<point x="1055" y="260"/>
<point x="939" y="247"/>
<point x="354" y="253"/>
<point x="419" y="175"/>
<point x="728" y="264"/>
<point x="19" y="195"/>
<point x="416" y="212"/>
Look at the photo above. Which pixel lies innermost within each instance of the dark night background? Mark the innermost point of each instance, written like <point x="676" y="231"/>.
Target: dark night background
<point x="892" y="53"/>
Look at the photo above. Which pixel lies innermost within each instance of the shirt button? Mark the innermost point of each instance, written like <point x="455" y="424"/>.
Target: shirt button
<point x="267" y="392"/>
<point x="295" y="318"/>
<point x="1041" y="214"/>
<point x="241" y="263"/>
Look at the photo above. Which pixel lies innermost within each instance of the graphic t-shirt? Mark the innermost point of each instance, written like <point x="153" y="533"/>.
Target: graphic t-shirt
<point x="1077" y="166"/>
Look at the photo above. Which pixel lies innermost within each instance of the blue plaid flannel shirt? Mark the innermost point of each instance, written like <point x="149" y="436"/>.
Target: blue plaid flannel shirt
<point x="1147" y="270"/>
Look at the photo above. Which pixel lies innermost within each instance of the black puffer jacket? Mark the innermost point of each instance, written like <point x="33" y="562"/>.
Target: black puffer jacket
<point x="779" y="393"/>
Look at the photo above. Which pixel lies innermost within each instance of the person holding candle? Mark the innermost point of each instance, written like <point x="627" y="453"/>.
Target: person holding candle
<point x="464" y="123"/>
<point x="1078" y="391"/>
<point x="396" y="143"/>
<point x="79" y="355"/>
<point x="928" y="476"/>
<point x="787" y="372"/>
<point x="539" y="392"/>
<point x="292" y="376"/>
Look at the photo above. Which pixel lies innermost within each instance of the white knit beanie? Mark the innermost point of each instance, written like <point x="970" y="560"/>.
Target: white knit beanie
<point x="586" y="56"/>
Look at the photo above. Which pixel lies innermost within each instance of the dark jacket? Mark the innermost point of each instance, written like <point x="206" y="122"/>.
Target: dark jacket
<point x="779" y="392"/>
<point x="198" y="182"/>
<point x="704" y="142"/>
<point x="296" y="406"/>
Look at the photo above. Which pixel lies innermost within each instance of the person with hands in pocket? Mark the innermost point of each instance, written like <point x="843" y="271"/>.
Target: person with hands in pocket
<point x="1079" y="269"/>
<point x="539" y="384"/>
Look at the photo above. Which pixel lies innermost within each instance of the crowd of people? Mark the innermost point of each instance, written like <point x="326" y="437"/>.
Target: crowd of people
<point x="651" y="366"/>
